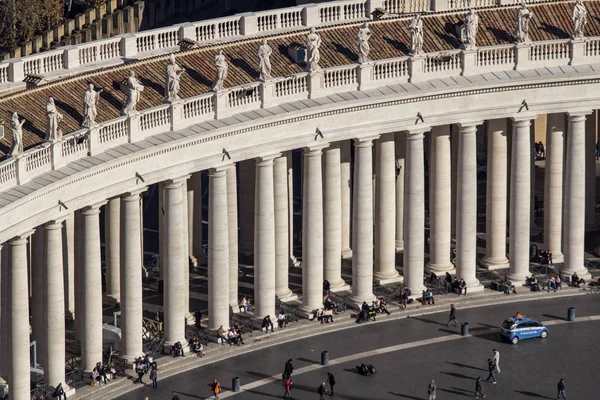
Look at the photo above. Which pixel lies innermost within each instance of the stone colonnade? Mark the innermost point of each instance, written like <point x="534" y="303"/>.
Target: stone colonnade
<point x="342" y="216"/>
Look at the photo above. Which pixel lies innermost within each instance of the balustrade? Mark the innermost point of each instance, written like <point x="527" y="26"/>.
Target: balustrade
<point x="290" y="19"/>
<point x="43" y="63"/>
<point x="550" y="53"/>
<point x="4" y="73"/>
<point x="442" y="63"/>
<point x="267" y="22"/>
<point x="198" y="107"/>
<point x="8" y="172"/>
<point x="291" y="86"/>
<point x="496" y="58"/>
<point x="229" y="28"/>
<point x="155" y="120"/>
<point x="592" y="47"/>
<point x="339" y="77"/>
<point x="393" y="69"/>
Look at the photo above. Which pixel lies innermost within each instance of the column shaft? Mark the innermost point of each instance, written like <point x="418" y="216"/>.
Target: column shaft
<point x="400" y="168"/>
<point x="232" y="219"/>
<point x="264" y="239"/>
<point x="4" y="314"/>
<point x="591" y="137"/>
<point x="131" y="276"/>
<point x="362" y="222"/>
<point x="282" y="251"/>
<point x="186" y="250"/>
<point x="194" y="205"/>
<point x="175" y="265"/>
<point x="520" y="206"/>
<point x="112" y="247"/>
<point x="246" y="213"/>
<point x="346" y="196"/>
<point x="38" y="265"/>
<point x="69" y="264"/>
<point x="414" y="213"/>
<point x="162" y="231"/>
<point x="218" y="251"/>
<point x="54" y="305"/>
<point x="574" y="224"/>
<point x="496" y="196"/>
<point x="312" y="231"/>
<point x="18" y="337"/>
<point x="553" y="185"/>
<point x="440" y="186"/>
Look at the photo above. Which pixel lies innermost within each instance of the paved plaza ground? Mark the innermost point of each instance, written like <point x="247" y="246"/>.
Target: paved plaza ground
<point x="408" y="353"/>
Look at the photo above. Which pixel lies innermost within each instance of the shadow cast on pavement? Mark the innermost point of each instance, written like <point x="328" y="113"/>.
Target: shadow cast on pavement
<point x="554" y="317"/>
<point x="406" y="396"/>
<point x="458" y="375"/>
<point x="259" y="374"/>
<point x="428" y="321"/>
<point x="532" y="394"/>
<point x="466" y="366"/>
<point x="308" y="360"/>
<point x="456" y="392"/>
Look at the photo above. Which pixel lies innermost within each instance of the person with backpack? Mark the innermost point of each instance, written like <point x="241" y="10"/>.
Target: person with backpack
<point x="331" y="380"/>
<point x="561" y="389"/>
<point x="215" y="387"/>
<point x="322" y="390"/>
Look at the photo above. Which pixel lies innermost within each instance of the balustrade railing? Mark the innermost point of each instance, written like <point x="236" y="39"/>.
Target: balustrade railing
<point x="265" y="94"/>
<point x="4" y="73"/>
<point x="43" y="63"/>
<point x="99" y="50"/>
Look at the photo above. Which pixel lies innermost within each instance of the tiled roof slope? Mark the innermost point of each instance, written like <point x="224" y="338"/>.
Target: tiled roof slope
<point x="390" y="39"/>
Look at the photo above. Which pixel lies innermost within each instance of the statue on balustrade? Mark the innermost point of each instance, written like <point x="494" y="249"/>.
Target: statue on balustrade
<point x="53" y="117"/>
<point x="364" y="34"/>
<point x="222" y="67"/>
<point x="90" y="102"/>
<point x="468" y="32"/>
<point x="264" y="60"/>
<point x="134" y="88"/>
<point x="579" y="19"/>
<point x="313" y="56"/>
<point x="416" y="35"/>
<point x="172" y="76"/>
<point x="524" y="16"/>
<point x="17" y="134"/>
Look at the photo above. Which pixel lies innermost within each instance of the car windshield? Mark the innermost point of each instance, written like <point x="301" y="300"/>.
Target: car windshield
<point x="508" y="325"/>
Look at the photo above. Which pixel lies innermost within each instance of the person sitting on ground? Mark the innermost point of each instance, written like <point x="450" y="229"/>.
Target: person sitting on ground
<point x="198" y="348"/>
<point x="329" y="304"/>
<point x="222" y="336"/>
<point x="232" y="337"/>
<point x="281" y="320"/>
<point x="551" y="283"/>
<point x="371" y="313"/>
<point x="462" y="285"/>
<point x="448" y="278"/>
<point x="238" y="334"/>
<point x="326" y="286"/>
<point x="383" y="306"/>
<point x="576" y="281"/>
<point x="375" y="305"/>
<point x="102" y="371"/>
<point x="327" y="316"/>
<point x="266" y="323"/>
<point x="177" y="350"/>
<point x="428" y="297"/>
<point x="558" y="282"/>
<point x="404" y="298"/>
<point x="533" y="283"/>
<point x="96" y="378"/>
<point x="455" y="285"/>
<point x="509" y="287"/>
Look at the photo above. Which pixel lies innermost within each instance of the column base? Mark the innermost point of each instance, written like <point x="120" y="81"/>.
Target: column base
<point x="495" y="263"/>
<point x="359" y="300"/>
<point x="384" y="279"/>
<point x="167" y="345"/>
<point x="558" y="258"/>
<point x="440" y="269"/>
<point x="476" y="287"/>
<point x="582" y="272"/>
<point x="308" y="313"/>
<point x="340" y="287"/>
<point x="69" y="391"/>
<point x="287" y="295"/>
<point x="347" y="254"/>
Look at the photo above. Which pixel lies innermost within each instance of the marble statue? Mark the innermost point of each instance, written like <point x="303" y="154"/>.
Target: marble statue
<point x="579" y="19"/>
<point x="53" y="117"/>
<point x="362" y="42"/>
<point x="264" y="60"/>
<point x="172" y="76"/>
<point x="313" y="56"/>
<point x="416" y="35"/>
<point x="222" y="67"/>
<point x="134" y="88"/>
<point x="17" y="134"/>
<point x="90" y="102"/>
<point x="523" y="18"/>
<point x="468" y="33"/>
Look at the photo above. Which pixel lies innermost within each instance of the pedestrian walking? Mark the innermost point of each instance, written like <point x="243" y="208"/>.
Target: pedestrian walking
<point x="452" y="316"/>
<point x="491" y="369"/>
<point x="322" y="390"/>
<point x="431" y="390"/>
<point x="154" y="375"/>
<point x="497" y="360"/>
<point x="478" y="388"/>
<point x="561" y="389"/>
<point x="215" y="387"/>
<point x="288" y="369"/>
<point x="175" y="397"/>
<point x="288" y="387"/>
<point x="331" y="380"/>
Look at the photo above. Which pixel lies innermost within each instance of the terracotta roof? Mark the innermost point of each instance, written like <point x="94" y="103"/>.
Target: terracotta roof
<point x="390" y="39"/>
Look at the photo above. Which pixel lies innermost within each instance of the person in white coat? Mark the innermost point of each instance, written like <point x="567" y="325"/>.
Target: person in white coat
<point x="497" y="360"/>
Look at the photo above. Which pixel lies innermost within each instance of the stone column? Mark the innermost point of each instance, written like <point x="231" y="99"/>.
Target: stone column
<point x="264" y="239"/>
<point x="232" y="220"/>
<point x="4" y="314"/>
<point x="362" y="222"/>
<point x="54" y="305"/>
<point x="194" y="204"/>
<point x="69" y="264"/>
<point x="400" y="168"/>
<point x="38" y="284"/>
<point x="466" y="205"/>
<point x="346" y="196"/>
<point x="520" y="206"/>
<point x="312" y="231"/>
<point x="246" y="213"/>
<point x="131" y="276"/>
<point x="290" y="182"/>
<point x="18" y="335"/>
<point x="78" y="283"/>
<point x="496" y="196"/>
<point x="282" y="252"/>
<point x="574" y="224"/>
<point x="112" y="245"/>
<point x="218" y="252"/>
<point x="162" y="228"/>
<point x="91" y="294"/>
<point x="440" y="186"/>
<point x="176" y="263"/>
<point x="186" y="250"/>
<point x="414" y="211"/>
<point x="332" y="218"/>
<point x="591" y="136"/>
<point x="553" y="185"/>
<point x="385" y="211"/>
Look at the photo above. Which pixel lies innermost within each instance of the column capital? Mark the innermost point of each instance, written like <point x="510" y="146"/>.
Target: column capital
<point x="93" y="209"/>
<point x="316" y="147"/>
<point x="267" y="159"/>
<point x="133" y="194"/>
<point x="175" y="183"/>
<point x="21" y="239"/>
<point x="578" y="115"/>
<point x="55" y="223"/>
<point x="416" y="133"/>
<point x="469" y="126"/>
<point x="365" y="141"/>
<point x="523" y="120"/>
<point x="217" y="172"/>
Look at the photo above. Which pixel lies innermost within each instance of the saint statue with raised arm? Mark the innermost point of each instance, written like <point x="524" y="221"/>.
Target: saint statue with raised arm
<point x="17" y="134"/>
<point x="222" y="67"/>
<point x="172" y="75"/>
<point x="579" y="19"/>
<point x="53" y="117"/>
<point x="134" y="88"/>
<point x="416" y="35"/>
<point x="362" y="42"/>
<point x="313" y="56"/>
<point x="469" y="29"/>
<point x="523" y="18"/>
<point x="90" y="102"/>
<point x="264" y="60"/>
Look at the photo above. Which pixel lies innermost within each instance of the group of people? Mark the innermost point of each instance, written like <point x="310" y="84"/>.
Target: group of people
<point x="459" y="286"/>
<point x="196" y="347"/>
<point x="544" y="257"/>
<point x="288" y="370"/>
<point x="146" y="365"/>
<point x="540" y="152"/>
<point x="99" y="374"/>
<point x="366" y="313"/>
<point x="232" y="336"/>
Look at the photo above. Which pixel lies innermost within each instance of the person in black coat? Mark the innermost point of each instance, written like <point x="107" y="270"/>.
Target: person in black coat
<point x="331" y="380"/>
<point x="288" y="369"/>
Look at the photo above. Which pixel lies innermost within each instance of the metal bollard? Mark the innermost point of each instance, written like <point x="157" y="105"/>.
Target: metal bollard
<point x="464" y="329"/>
<point x="571" y="314"/>
<point x="235" y="384"/>
<point x="324" y="358"/>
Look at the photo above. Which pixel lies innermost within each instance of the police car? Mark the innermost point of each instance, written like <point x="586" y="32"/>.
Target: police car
<point x="520" y="327"/>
